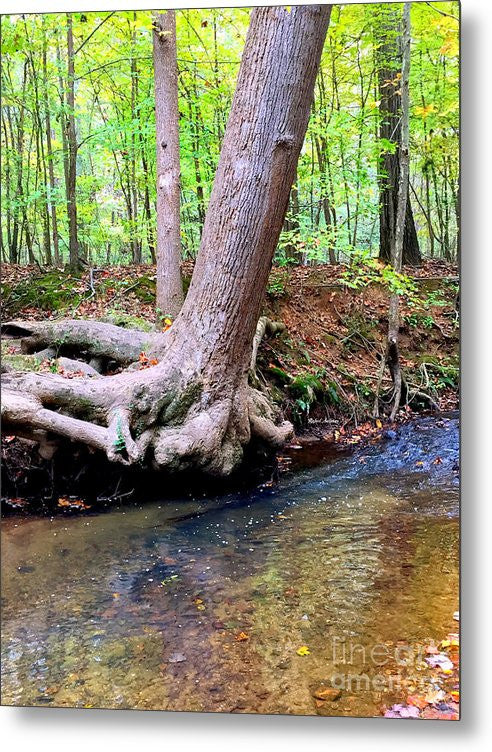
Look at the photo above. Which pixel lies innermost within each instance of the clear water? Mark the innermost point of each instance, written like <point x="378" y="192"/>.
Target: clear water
<point x="202" y="605"/>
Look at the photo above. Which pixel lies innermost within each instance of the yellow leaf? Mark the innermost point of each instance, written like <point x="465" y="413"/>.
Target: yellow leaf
<point x="425" y="111"/>
<point x="379" y="424"/>
<point x="303" y="650"/>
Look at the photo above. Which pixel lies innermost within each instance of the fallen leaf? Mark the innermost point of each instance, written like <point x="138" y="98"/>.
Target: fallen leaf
<point x="418" y="701"/>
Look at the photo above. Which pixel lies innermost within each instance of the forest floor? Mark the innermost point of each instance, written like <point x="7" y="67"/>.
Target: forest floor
<point x="323" y="369"/>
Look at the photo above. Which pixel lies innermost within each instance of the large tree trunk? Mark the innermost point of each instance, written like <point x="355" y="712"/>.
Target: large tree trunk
<point x="195" y="408"/>
<point x="169" y="295"/>
<point x="389" y="61"/>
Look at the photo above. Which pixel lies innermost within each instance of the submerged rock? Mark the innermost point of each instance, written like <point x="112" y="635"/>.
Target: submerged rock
<point x="176" y="658"/>
<point x="327" y="693"/>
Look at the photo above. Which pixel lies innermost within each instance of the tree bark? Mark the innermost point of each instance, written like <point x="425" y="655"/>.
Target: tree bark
<point x="389" y="62"/>
<point x="194" y="408"/>
<point x="14" y="251"/>
<point x="393" y="353"/>
<point x="71" y="137"/>
<point x="169" y="293"/>
<point x="133" y="187"/>
<point x="49" y="156"/>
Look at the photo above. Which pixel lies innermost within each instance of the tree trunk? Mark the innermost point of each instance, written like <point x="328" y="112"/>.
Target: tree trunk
<point x="389" y="62"/>
<point x="291" y="224"/>
<point x="14" y="250"/>
<point x="133" y="187"/>
<point x="71" y="137"/>
<point x="393" y="354"/>
<point x="169" y="294"/>
<point x="194" y="408"/>
<point x="49" y="155"/>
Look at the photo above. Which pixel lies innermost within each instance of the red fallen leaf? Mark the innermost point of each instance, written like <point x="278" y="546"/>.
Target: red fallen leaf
<point x="433" y="714"/>
<point x="16" y="502"/>
<point x="417" y="701"/>
<point x="432" y="650"/>
<point x="437" y="461"/>
<point x="242" y="637"/>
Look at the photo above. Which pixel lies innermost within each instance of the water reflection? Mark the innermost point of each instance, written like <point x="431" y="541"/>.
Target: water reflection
<point x="202" y="605"/>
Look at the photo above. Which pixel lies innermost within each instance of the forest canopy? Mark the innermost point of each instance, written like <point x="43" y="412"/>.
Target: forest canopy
<point x="334" y="204"/>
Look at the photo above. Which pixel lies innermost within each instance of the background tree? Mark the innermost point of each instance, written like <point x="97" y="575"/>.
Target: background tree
<point x="71" y="141"/>
<point x="169" y="294"/>
<point x="389" y="57"/>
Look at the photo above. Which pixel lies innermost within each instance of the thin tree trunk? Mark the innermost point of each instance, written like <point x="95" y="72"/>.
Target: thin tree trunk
<point x="49" y="156"/>
<point x="6" y="171"/>
<point x="393" y="355"/>
<point x="196" y="163"/>
<point x="328" y="210"/>
<point x="133" y="188"/>
<point x="71" y="136"/>
<point x="169" y="297"/>
<point x="291" y="224"/>
<point x="389" y="66"/>
<point x="19" y="193"/>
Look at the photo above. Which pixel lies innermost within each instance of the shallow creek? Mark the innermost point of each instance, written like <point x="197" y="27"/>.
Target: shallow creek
<point x="204" y="604"/>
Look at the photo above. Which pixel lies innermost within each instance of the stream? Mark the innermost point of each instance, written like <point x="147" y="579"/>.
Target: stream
<point x="335" y="576"/>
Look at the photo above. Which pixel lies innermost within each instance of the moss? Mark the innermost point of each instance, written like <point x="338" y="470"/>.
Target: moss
<point x="360" y="323"/>
<point x="279" y="374"/>
<point x="145" y="290"/>
<point x="128" y="321"/>
<point x="178" y="409"/>
<point x="51" y="291"/>
<point x="330" y="339"/>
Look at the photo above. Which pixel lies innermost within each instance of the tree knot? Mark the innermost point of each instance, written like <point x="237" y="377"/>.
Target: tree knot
<point x="285" y="141"/>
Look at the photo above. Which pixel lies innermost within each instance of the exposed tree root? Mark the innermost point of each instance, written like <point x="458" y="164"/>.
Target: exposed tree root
<point x="264" y="326"/>
<point x="83" y="339"/>
<point x="172" y="415"/>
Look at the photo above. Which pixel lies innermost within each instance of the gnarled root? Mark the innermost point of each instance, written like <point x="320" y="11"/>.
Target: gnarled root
<point x="265" y="326"/>
<point x="156" y="417"/>
<point x="84" y="340"/>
